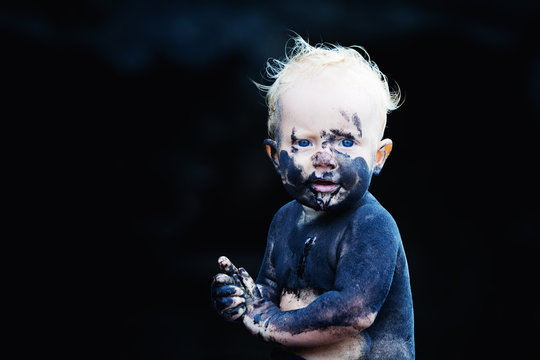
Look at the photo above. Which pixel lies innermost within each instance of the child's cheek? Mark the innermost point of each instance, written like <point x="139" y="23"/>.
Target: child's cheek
<point x="355" y="177"/>
<point x="295" y="178"/>
<point x="291" y="173"/>
<point x="355" y="174"/>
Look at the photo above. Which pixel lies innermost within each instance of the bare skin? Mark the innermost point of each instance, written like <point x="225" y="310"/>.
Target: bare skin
<point x="334" y="256"/>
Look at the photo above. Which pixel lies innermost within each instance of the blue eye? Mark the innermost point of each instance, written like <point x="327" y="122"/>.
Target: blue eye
<point x="303" y="143"/>
<point x="347" y="143"/>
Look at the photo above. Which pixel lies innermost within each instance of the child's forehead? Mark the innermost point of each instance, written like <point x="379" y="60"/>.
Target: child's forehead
<point x="335" y="118"/>
<point x="329" y="99"/>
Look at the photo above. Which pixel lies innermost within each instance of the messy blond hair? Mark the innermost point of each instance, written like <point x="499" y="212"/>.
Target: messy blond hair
<point x="303" y="58"/>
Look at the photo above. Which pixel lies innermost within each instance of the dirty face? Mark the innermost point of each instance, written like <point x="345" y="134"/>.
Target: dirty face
<point x="328" y="141"/>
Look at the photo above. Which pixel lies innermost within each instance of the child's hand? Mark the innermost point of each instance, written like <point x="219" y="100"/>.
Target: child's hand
<point x="228" y="293"/>
<point x="258" y="309"/>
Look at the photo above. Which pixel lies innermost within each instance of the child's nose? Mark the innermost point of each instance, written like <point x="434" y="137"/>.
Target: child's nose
<point x="324" y="159"/>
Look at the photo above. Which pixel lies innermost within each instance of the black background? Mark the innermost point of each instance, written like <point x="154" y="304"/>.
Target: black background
<point x="139" y="122"/>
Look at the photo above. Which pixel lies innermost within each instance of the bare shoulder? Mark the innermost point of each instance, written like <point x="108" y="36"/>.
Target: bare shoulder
<point x="372" y="218"/>
<point x="287" y="212"/>
<point x="284" y="219"/>
<point x="288" y="208"/>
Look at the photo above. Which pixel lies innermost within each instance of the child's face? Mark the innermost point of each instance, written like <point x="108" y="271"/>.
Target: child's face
<point x="328" y="144"/>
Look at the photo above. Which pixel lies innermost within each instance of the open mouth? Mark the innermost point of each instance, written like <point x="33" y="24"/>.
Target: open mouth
<point x="324" y="186"/>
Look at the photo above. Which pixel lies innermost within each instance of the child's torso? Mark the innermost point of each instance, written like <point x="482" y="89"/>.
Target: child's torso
<point x="305" y="259"/>
<point x="305" y="269"/>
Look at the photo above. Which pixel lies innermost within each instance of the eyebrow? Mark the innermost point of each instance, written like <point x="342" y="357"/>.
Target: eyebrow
<point x="346" y="135"/>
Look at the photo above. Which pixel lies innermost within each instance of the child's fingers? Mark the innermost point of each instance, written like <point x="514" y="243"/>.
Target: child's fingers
<point x="228" y="290"/>
<point x="234" y="313"/>
<point x="226" y="265"/>
<point x="222" y="280"/>
<point x="249" y="284"/>
<point x="234" y="302"/>
<point x="226" y="303"/>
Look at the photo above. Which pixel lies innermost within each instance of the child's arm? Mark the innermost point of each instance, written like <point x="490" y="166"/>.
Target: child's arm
<point x="367" y="258"/>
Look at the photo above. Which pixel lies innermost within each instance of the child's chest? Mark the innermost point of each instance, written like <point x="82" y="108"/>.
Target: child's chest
<point x="307" y="257"/>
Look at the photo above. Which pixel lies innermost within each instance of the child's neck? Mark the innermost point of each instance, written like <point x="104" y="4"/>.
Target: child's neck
<point x="309" y="214"/>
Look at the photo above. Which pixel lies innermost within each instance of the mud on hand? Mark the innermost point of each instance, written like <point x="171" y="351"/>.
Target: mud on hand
<point x="227" y="291"/>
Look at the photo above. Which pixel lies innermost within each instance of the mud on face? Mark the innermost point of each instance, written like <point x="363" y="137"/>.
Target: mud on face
<point x="336" y="180"/>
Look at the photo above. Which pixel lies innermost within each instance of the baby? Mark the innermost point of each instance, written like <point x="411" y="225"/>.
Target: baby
<point x="334" y="282"/>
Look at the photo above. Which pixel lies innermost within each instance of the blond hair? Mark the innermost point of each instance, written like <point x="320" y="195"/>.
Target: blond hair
<point x="303" y="58"/>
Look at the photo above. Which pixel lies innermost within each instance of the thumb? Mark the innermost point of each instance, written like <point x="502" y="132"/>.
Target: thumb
<point x="251" y="288"/>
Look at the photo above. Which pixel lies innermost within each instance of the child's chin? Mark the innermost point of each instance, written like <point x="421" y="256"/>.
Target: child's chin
<point x="338" y="202"/>
<point x="322" y="204"/>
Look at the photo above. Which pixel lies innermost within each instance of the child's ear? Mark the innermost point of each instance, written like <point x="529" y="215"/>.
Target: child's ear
<point x="271" y="149"/>
<point x="385" y="147"/>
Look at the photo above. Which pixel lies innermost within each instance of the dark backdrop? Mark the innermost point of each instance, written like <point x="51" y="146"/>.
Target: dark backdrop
<point x="143" y="116"/>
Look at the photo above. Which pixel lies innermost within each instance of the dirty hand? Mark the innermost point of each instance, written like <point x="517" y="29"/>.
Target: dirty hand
<point x="258" y="310"/>
<point x="228" y="292"/>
